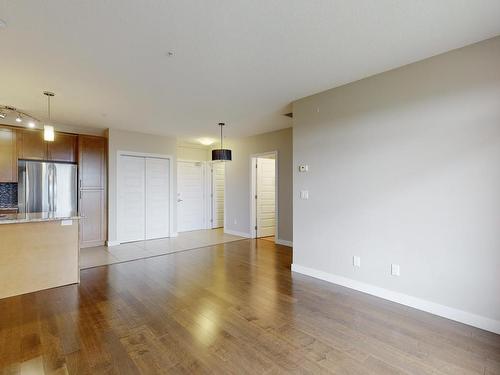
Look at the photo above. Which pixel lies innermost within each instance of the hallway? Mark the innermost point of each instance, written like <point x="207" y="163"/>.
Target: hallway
<point x="103" y="255"/>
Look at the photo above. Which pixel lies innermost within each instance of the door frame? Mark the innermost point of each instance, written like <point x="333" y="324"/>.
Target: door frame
<point x="170" y="158"/>
<point x="253" y="188"/>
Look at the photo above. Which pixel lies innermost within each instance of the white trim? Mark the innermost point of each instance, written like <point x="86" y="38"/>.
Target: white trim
<point x="283" y="242"/>
<point x="171" y="162"/>
<point x="236" y="233"/>
<point x="112" y="243"/>
<point x="253" y="176"/>
<point x="175" y="234"/>
<point x="461" y="316"/>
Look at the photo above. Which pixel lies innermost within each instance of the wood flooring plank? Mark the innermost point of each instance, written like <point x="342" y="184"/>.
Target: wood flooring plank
<point x="234" y="308"/>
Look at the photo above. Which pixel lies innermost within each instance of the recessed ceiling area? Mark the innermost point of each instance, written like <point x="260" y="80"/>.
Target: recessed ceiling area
<point x="180" y="67"/>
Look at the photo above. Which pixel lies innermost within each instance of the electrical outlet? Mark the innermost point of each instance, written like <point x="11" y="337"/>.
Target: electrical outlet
<point x="356" y="261"/>
<point x="395" y="270"/>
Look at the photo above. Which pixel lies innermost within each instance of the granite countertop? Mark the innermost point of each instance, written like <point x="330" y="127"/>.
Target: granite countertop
<point x="33" y="217"/>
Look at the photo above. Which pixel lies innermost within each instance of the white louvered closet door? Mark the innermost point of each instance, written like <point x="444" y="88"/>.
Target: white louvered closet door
<point x="157" y="198"/>
<point x="132" y="191"/>
<point x="218" y="174"/>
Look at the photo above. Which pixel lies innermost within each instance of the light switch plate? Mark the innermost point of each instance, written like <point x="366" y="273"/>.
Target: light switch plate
<point x="304" y="194"/>
<point x="395" y="270"/>
<point x="356" y="261"/>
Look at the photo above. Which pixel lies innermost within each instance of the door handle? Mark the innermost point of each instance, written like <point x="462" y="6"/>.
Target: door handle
<point x="179" y="200"/>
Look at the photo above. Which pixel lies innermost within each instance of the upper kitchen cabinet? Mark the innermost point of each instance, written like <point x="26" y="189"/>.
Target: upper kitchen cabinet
<point x="30" y="145"/>
<point x="63" y="148"/>
<point x="8" y="155"/>
<point x="92" y="161"/>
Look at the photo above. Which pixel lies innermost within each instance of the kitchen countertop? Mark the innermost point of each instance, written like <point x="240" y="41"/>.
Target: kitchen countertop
<point x="33" y="217"/>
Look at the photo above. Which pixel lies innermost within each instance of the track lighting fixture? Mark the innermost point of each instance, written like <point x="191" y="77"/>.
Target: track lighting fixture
<point x="9" y="113"/>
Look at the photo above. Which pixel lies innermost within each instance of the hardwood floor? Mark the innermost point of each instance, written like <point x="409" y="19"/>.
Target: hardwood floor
<point x="232" y="308"/>
<point x="270" y="238"/>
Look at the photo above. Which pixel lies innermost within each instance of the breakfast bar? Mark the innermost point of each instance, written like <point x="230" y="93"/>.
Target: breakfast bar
<point x="37" y="251"/>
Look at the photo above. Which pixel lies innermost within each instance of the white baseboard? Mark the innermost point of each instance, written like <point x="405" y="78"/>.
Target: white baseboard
<point x="236" y="233"/>
<point x="284" y="242"/>
<point x="461" y="316"/>
<point x="112" y="243"/>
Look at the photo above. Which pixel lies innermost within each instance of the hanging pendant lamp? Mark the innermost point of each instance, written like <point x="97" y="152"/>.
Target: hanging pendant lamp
<point x="221" y="153"/>
<point x="48" y="130"/>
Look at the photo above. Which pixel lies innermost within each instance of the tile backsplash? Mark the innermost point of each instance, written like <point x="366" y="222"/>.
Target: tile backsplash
<point x="8" y="194"/>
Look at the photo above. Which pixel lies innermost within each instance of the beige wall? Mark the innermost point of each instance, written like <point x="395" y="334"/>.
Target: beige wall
<point x="136" y="142"/>
<point x="237" y="205"/>
<point x="193" y="152"/>
<point x="404" y="167"/>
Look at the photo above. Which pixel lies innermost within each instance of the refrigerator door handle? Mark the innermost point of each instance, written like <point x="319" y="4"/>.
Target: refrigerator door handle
<point x="26" y="191"/>
<point x="50" y="186"/>
<point x="54" y="188"/>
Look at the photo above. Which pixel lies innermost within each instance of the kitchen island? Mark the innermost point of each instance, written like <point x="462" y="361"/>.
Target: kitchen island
<point x="38" y="251"/>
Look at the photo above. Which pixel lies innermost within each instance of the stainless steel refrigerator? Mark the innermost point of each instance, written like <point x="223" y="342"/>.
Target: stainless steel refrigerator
<point x="47" y="187"/>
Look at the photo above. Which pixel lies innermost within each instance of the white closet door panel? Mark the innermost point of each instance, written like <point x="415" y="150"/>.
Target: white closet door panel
<point x="131" y="198"/>
<point x="266" y="195"/>
<point x="218" y="175"/>
<point x="190" y="211"/>
<point x="157" y="198"/>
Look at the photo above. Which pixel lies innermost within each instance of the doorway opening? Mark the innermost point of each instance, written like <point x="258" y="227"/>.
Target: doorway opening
<point x="264" y="196"/>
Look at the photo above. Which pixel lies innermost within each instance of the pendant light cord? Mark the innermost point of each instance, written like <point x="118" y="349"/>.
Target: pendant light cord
<point x="221" y="136"/>
<point x="48" y="105"/>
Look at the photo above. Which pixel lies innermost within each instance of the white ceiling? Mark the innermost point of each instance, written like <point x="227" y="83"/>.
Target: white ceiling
<point x="242" y="62"/>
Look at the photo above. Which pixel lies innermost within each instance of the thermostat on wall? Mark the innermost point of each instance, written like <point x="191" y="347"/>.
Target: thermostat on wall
<point x="303" y="168"/>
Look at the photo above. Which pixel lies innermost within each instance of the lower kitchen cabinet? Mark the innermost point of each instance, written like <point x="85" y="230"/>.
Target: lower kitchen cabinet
<point x="93" y="218"/>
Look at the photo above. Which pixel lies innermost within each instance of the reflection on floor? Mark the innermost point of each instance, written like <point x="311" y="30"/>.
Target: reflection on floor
<point x="102" y="255"/>
<point x="270" y="238"/>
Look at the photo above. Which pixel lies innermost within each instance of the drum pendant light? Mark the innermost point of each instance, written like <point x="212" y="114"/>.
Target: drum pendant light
<point x="221" y="153"/>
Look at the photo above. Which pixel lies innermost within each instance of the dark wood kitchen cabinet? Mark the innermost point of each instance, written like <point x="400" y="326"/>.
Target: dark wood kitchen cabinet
<point x="93" y="218"/>
<point x="30" y="145"/>
<point x="92" y="154"/>
<point x="92" y="161"/>
<point x="8" y="155"/>
<point x="63" y="148"/>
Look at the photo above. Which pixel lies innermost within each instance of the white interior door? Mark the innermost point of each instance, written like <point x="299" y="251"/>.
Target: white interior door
<point x="266" y="194"/>
<point x="131" y="197"/>
<point x="218" y="174"/>
<point x="157" y="198"/>
<point x="190" y="196"/>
